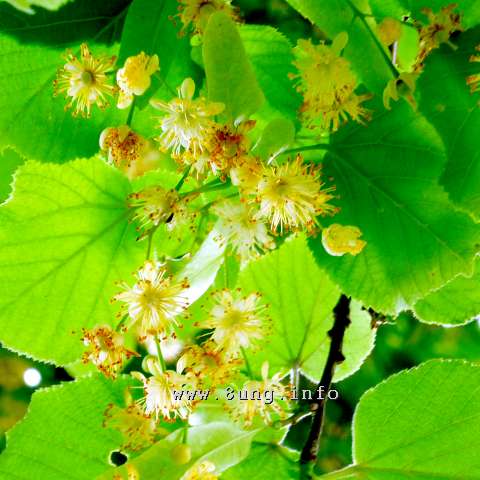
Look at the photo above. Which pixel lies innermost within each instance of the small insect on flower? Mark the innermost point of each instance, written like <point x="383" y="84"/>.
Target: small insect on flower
<point x="128" y="151"/>
<point x="201" y="471"/>
<point x="238" y="321"/>
<point x="473" y="81"/>
<point x="195" y="13"/>
<point x="291" y="196"/>
<point x="85" y="81"/>
<point x="164" y="395"/>
<point x="186" y="122"/>
<point x="105" y="349"/>
<point x="441" y="25"/>
<point x="134" y="77"/>
<point x="154" y="301"/>
<point x="247" y="235"/>
<point x="340" y="239"/>
<point x="267" y="398"/>
<point x="208" y="365"/>
<point x="155" y="205"/>
<point x="327" y="84"/>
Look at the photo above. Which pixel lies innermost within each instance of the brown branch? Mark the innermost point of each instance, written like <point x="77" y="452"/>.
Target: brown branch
<point x="341" y="314"/>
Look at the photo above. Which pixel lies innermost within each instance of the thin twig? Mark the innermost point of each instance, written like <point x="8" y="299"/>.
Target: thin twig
<point x="309" y="453"/>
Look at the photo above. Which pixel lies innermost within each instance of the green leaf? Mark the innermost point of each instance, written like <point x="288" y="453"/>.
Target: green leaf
<point x="150" y="27"/>
<point x="271" y="56"/>
<point x="386" y="176"/>
<point x="62" y="436"/>
<point x="277" y="136"/>
<point x="221" y="443"/>
<point x="457" y="303"/>
<point x="230" y="76"/>
<point x="9" y="161"/>
<point x="266" y="461"/>
<point x="363" y="49"/>
<point x="447" y="102"/>
<point x="301" y="298"/>
<point x="64" y="241"/>
<point x="421" y="423"/>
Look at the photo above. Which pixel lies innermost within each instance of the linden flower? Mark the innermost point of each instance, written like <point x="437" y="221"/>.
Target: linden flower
<point x="340" y="239"/>
<point x="155" y="205"/>
<point x="246" y="174"/>
<point x="154" y="301"/>
<point x="441" y="26"/>
<point x="160" y="395"/>
<point x="223" y="146"/>
<point x="85" y="81"/>
<point x="265" y="398"/>
<point x="105" y="350"/>
<point x="197" y="12"/>
<point x="201" y="471"/>
<point x="248" y="237"/>
<point x="327" y="84"/>
<point x="187" y="121"/>
<point x="208" y="365"/>
<point x="291" y="196"/>
<point x="138" y="429"/>
<point x="237" y="322"/>
<point x="474" y="80"/>
<point x="128" y="151"/>
<point x="134" y="77"/>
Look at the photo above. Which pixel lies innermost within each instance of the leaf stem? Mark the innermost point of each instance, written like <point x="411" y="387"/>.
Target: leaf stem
<point x="216" y="184"/>
<point x="309" y="454"/>
<point x="121" y="323"/>
<point x="247" y="363"/>
<point x="131" y="112"/>
<point x="180" y="183"/>
<point x="161" y="360"/>
<point x="362" y="17"/>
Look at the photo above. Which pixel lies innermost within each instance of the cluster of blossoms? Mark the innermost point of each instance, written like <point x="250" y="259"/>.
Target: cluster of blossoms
<point x="327" y="84"/>
<point x="264" y="199"/>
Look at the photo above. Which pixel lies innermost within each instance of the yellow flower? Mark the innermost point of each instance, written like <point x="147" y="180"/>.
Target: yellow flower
<point x="223" y="146"/>
<point x="327" y="84"/>
<point x="291" y="196"/>
<point x="197" y="12"/>
<point x="128" y="151"/>
<point x="208" y="365"/>
<point x="248" y="236"/>
<point x="441" y="25"/>
<point x="238" y="322"/>
<point x="404" y="85"/>
<point x="85" y="80"/>
<point x="187" y="121"/>
<point x="267" y="398"/>
<point x="134" y="77"/>
<point x="246" y="174"/>
<point x="201" y="471"/>
<point x="474" y="80"/>
<point x="155" y="205"/>
<point x="154" y="301"/>
<point x="105" y="349"/>
<point x="161" y="395"/>
<point x="340" y="239"/>
<point x="138" y="429"/>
